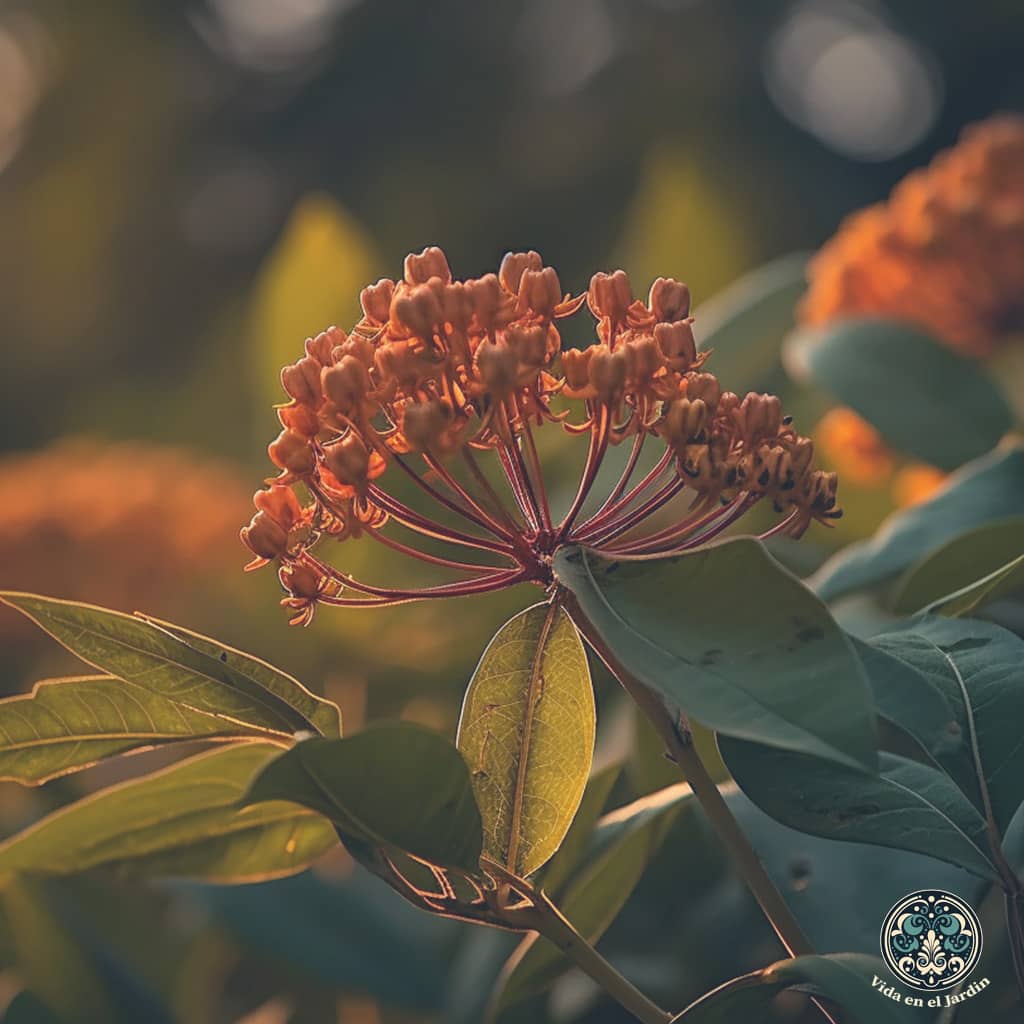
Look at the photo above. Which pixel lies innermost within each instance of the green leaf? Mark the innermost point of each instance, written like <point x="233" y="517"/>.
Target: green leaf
<point x="26" y="1008"/>
<point x="962" y="563"/>
<point x="987" y="490"/>
<point x="527" y="734"/>
<point x="564" y="863"/>
<point x="215" y="680"/>
<point x="908" y="806"/>
<point x="924" y="398"/>
<point x="65" y="725"/>
<point x="396" y="785"/>
<point x="955" y="687"/>
<point x="728" y="635"/>
<point x="624" y="843"/>
<point x="745" y="323"/>
<point x="184" y="821"/>
<point x="1004" y="582"/>
<point x="851" y="980"/>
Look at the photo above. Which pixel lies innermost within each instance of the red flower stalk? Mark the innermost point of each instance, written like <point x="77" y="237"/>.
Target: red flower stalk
<point x="441" y="376"/>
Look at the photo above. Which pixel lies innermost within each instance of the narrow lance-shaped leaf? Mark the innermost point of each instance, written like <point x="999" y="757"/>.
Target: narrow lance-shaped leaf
<point x="730" y="637"/>
<point x="65" y="725"/>
<point x="960" y="563"/>
<point x="908" y="806"/>
<point x="984" y="491"/>
<point x="185" y="821"/>
<point x="955" y="687"/>
<point x="527" y="733"/>
<point x="623" y="844"/>
<point x="850" y="980"/>
<point x="216" y="681"/>
<point x="393" y="785"/>
<point x="1006" y="581"/>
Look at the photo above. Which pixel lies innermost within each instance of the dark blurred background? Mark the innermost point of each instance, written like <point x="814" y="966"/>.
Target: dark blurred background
<point x="189" y="189"/>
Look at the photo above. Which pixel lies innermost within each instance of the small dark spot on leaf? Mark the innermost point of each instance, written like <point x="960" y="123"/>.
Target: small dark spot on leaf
<point x="800" y="870"/>
<point x="809" y="634"/>
<point x="614" y="567"/>
<point x="711" y="657"/>
<point x="224" y="656"/>
<point x="479" y="774"/>
<point x="953" y="729"/>
<point x="841" y="815"/>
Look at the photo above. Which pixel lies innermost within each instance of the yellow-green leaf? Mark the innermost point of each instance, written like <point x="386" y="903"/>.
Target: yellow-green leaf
<point x="527" y="733"/>
<point x="215" y="679"/>
<point x="184" y="821"/>
<point x="65" y="725"/>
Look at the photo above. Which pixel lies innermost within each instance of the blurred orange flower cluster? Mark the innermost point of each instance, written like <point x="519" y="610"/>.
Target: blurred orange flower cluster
<point x="126" y="524"/>
<point x="946" y="252"/>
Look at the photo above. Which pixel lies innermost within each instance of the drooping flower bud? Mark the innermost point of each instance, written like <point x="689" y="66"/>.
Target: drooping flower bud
<point x="291" y="452"/>
<point x="421" y="267"/>
<point x="677" y="344"/>
<point x="669" y="300"/>
<point x="514" y="265"/>
<point x="610" y="295"/>
<point x="375" y="300"/>
<point x="301" y="381"/>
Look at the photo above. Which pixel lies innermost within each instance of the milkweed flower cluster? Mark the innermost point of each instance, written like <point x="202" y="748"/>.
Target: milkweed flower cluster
<point x="111" y="514"/>
<point x="441" y="378"/>
<point x="945" y="252"/>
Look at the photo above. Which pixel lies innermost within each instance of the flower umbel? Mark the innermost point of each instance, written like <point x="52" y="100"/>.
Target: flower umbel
<point x="441" y="377"/>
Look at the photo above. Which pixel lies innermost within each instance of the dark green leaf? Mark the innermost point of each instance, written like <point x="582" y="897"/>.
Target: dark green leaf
<point x="64" y="725"/>
<point x="728" y="635"/>
<point x="955" y="687"/>
<point x="527" y="734"/>
<point x="396" y="785"/>
<point x="909" y="806"/>
<point x="987" y="490"/>
<point x="140" y="652"/>
<point x="963" y="562"/>
<point x="851" y="980"/>
<point x="746" y="323"/>
<point x="26" y="1008"/>
<point x="184" y="821"/>
<point x="1007" y="580"/>
<point x="924" y="398"/>
<point x="624" y="843"/>
<point x="574" y="845"/>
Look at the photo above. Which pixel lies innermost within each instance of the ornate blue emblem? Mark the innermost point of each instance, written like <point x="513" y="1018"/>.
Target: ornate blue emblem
<point x="931" y="939"/>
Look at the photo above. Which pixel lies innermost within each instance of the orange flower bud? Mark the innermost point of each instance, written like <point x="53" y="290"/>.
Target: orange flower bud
<point x="418" y="308"/>
<point x="539" y="292"/>
<point x="758" y="418"/>
<point x="358" y="347"/>
<point x="292" y="453"/>
<point x="264" y="536"/>
<point x="491" y="306"/>
<point x="684" y="421"/>
<point x="704" y="386"/>
<point x="610" y="295"/>
<point x="351" y="463"/>
<point x="514" y="265"/>
<point x="300" y="419"/>
<point x="376" y="301"/>
<point x="301" y="380"/>
<point x="280" y="504"/>
<point x="432" y="262"/>
<point x="431" y="426"/>
<point x="669" y="300"/>
<point x="534" y="346"/>
<point x="302" y="581"/>
<point x="346" y="385"/>
<point x="607" y="372"/>
<point x="323" y="345"/>
<point x="498" y="367"/>
<point x="677" y="344"/>
<point x="576" y="369"/>
<point x="643" y="360"/>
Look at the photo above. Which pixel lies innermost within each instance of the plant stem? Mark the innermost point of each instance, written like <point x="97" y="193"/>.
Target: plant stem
<point x="556" y="928"/>
<point x="679" y="743"/>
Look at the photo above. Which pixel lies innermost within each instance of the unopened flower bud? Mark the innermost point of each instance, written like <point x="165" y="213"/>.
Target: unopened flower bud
<point x="321" y="346"/>
<point x="576" y="367"/>
<point x="292" y="453"/>
<point x="608" y="373"/>
<point x="299" y="418"/>
<point x="669" y="300"/>
<point x="759" y="417"/>
<point x="610" y="295"/>
<point x="418" y="308"/>
<point x="376" y="301"/>
<point x="514" y="265"/>
<point x="265" y="537"/>
<point x="684" y="421"/>
<point x="349" y="460"/>
<point x="532" y="345"/>
<point x="539" y="292"/>
<point x="431" y="426"/>
<point x="301" y="380"/>
<point x="498" y="367"/>
<point x="346" y="385"/>
<point x="677" y="344"/>
<point x="704" y="386"/>
<point x="280" y="503"/>
<point x="421" y="267"/>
